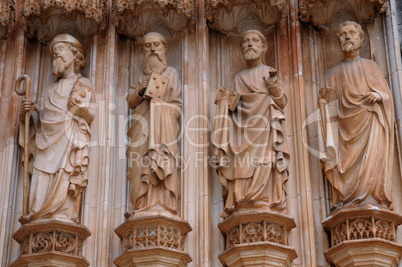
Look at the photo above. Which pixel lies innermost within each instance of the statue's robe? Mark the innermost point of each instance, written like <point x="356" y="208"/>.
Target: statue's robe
<point x="251" y="145"/>
<point x="60" y="151"/>
<point x="362" y="169"/>
<point x="153" y="151"/>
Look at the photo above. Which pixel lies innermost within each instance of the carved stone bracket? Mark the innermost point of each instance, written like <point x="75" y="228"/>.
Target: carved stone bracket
<point x="45" y="19"/>
<point x="321" y="12"/>
<point x="363" y="237"/>
<point x="153" y="239"/>
<point x="7" y="17"/>
<point x="234" y="17"/>
<point x="257" y="238"/>
<point x="135" y="18"/>
<point x="51" y="243"/>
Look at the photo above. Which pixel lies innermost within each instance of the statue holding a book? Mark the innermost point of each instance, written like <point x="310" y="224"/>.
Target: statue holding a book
<point x="357" y="122"/>
<point x="153" y="151"/>
<point x="249" y="137"/>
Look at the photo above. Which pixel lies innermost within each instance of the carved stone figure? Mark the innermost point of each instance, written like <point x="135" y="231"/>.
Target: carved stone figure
<point x="153" y="150"/>
<point x="359" y="146"/>
<point x="249" y="141"/>
<point x="61" y="135"/>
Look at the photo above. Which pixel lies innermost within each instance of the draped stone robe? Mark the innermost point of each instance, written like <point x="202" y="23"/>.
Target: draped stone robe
<point x="251" y="145"/>
<point x="153" y="152"/>
<point x="362" y="170"/>
<point x="59" y="146"/>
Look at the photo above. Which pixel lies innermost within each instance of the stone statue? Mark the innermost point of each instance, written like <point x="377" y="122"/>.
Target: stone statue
<point x="359" y="146"/>
<point x="249" y="141"/>
<point x="153" y="152"/>
<point x="61" y="135"/>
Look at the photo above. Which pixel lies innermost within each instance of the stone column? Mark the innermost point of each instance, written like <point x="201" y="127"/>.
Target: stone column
<point x="363" y="236"/>
<point x="257" y="239"/>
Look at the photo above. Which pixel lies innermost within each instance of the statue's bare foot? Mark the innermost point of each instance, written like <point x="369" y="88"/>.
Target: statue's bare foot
<point x="24" y="219"/>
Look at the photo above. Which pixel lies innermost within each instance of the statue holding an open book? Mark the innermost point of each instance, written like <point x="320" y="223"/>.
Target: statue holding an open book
<point x="153" y="152"/>
<point x="249" y="135"/>
<point x="357" y="122"/>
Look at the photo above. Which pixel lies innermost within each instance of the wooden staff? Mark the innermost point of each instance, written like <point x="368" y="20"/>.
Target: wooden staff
<point x="25" y="91"/>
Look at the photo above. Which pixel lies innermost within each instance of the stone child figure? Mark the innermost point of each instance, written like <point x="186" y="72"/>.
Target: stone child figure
<point x="59" y="145"/>
<point x="250" y="141"/>
<point x="360" y="170"/>
<point x="153" y="151"/>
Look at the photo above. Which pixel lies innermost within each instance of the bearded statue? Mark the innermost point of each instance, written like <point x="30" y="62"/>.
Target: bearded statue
<point x="153" y="152"/>
<point x="59" y="144"/>
<point x="359" y="145"/>
<point x="249" y="137"/>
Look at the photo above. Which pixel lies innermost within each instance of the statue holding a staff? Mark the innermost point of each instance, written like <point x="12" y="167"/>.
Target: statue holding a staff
<point x="59" y="136"/>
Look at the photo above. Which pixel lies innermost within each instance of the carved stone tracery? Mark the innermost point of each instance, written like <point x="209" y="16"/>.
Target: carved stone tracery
<point x="135" y="18"/>
<point x="45" y="19"/>
<point x="320" y="12"/>
<point x="363" y="228"/>
<point x="46" y="239"/>
<point x="7" y="17"/>
<point x="252" y="232"/>
<point x="234" y="17"/>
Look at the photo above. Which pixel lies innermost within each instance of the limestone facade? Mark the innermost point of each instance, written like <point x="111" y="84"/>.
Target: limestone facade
<point x="203" y="39"/>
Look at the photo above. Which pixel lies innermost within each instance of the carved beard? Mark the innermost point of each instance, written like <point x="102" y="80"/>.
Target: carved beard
<point x="349" y="46"/>
<point x="251" y="53"/>
<point x="154" y="62"/>
<point x="60" y="65"/>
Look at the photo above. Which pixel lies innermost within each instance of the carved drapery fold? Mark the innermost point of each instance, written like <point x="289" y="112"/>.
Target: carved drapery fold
<point x="320" y="12"/>
<point x="7" y="17"/>
<point x="45" y="19"/>
<point x="135" y="18"/>
<point x="234" y="17"/>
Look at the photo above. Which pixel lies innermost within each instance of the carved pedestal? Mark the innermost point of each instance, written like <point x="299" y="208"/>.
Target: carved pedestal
<point x="257" y="239"/>
<point x="52" y="243"/>
<point x="153" y="241"/>
<point x="363" y="237"/>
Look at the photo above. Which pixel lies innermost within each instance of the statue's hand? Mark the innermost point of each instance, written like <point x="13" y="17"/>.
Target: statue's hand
<point x="272" y="80"/>
<point x="26" y="106"/>
<point x="273" y="83"/>
<point x="142" y="87"/>
<point x="77" y="107"/>
<point x="371" y="98"/>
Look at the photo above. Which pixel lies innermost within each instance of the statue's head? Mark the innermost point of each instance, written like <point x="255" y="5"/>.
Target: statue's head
<point x="154" y="48"/>
<point x="350" y="36"/>
<point x="253" y="45"/>
<point x="65" y="50"/>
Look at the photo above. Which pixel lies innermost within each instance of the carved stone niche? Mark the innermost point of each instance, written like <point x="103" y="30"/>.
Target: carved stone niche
<point x="135" y="18"/>
<point x="7" y="17"/>
<point x="51" y="243"/>
<point x="320" y="12"/>
<point x="234" y="17"/>
<point x="363" y="236"/>
<point x="153" y="241"/>
<point x="44" y="19"/>
<point x="255" y="238"/>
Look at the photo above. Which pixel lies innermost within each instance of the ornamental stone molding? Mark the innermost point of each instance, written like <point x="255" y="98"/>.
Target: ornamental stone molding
<point x="363" y="236"/>
<point x="45" y="19"/>
<point x="321" y="12"/>
<point x="234" y="17"/>
<point x="51" y="243"/>
<point x="155" y="240"/>
<point x="135" y="18"/>
<point x="7" y="17"/>
<point x="257" y="238"/>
